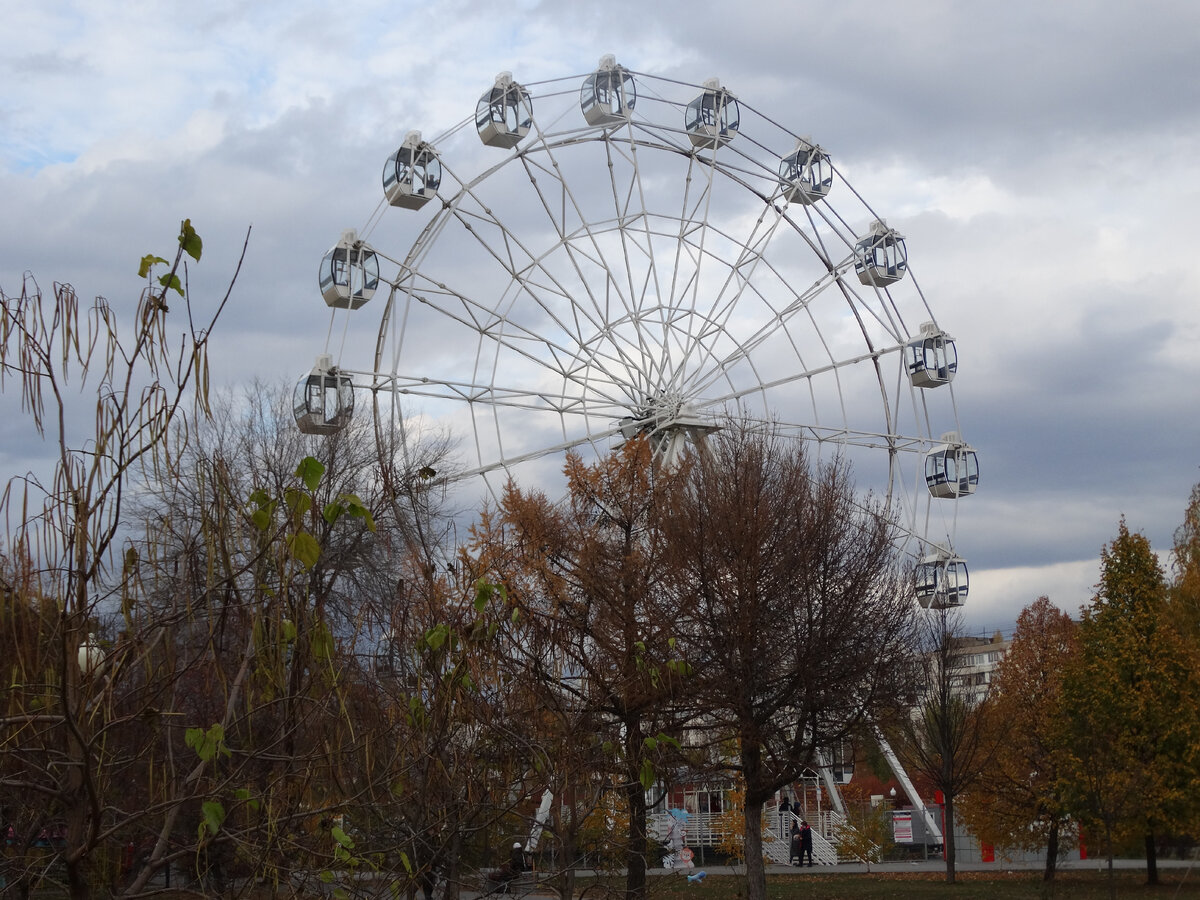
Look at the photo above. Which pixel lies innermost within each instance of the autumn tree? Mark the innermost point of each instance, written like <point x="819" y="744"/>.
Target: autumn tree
<point x="1130" y="700"/>
<point x="800" y="621"/>
<point x="946" y="738"/>
<point x="1184" y="596"/>
<point x="590" y="583"/>
<point x="1017" y="800"/>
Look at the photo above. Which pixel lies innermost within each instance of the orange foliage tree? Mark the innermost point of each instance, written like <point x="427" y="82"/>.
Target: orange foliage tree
<point x="1017" y="801"/>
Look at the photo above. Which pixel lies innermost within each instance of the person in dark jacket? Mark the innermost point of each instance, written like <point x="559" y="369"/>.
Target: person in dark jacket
<point x="794" y="843"/>
<point x="806" y="843"/>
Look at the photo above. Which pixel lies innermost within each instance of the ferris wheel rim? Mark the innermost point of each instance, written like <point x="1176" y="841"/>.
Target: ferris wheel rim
<point x="601" y="396"/>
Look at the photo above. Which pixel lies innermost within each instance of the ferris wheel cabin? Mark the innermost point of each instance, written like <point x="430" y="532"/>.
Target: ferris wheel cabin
<point x="504" y="114"/>
<point x="608" y="95"/>
<point x="951" y="468"/>
<point x="805" y="174"/>
<point x="942" y="581"/>
<point x="349" y="273"/>
<point x="931" y="358"/>
<point x="880" y="258"/>
<point x="412" y="174"/>
<point x="324" y="401"/>
<point x="712" y="118"/>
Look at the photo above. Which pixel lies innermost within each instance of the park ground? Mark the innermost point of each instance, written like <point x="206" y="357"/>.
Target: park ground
<point x="1074" y="881"/>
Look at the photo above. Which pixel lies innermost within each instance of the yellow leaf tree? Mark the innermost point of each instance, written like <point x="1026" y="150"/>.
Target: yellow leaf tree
<point x="1131" y="732"/>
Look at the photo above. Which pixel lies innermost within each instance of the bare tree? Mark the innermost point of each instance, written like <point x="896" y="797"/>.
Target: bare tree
<point x="946" y="736"/>
<point x="62" y="529"/>
<point x="801" y="617"/>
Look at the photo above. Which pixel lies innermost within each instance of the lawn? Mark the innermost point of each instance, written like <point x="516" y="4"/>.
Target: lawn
<point x="1072" y="885"/>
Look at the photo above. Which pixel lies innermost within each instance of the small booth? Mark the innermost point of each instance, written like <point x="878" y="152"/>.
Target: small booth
<point x="805" y="174"/>
<point x="880" y="258"/>
<point x="412" y="174"/>
<point x="608" y="95"/>
<point x="349" y="273"/>
<point x="504" y="114"/>
<point x="942" y="580"/>
<point x="951" y="468"/>
<point x="931" y="358"/>
<point x="712" y="118"/>
<point x="324" y="400"/>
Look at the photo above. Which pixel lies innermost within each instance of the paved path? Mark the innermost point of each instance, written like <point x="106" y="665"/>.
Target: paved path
<point x="939" y="865"/>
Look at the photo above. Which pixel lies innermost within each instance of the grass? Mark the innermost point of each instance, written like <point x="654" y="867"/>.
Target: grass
<point x="1072" y="885"/>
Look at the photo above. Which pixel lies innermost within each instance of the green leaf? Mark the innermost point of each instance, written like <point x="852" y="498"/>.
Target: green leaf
<point x="436" y="636"/>
<point x="207" y="743"/>
<point x="298" y="502"/>
<point x="189" y="240"/>
<point x="356" y="508"/>
<point x="148" y="262"/>
<point x="647" y="775"/>
<point x="171" y="281"/>
<point x="304" y="547"/>
<point x="483" y="593"/>
<point x="326" y="876"/>
<point x="332" y="512"/>
<point x="321" y="642"/>
<point x="261" y="519"/>
<point x="342" y="838"/>
<point x="214" y="815"/>
<point x="310" y="471"/>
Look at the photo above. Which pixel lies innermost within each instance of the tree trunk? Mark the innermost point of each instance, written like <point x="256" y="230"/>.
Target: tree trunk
<point x="948" y="837"/>
<point x="1051" y="852"/>
<point x="1151" y="859"/>
<point x="1112" y="876"/>
<point x="756" y="872"/>
<point x="635" y="856"/>
<point x="635" y="797"/>
<point x="566" y="862"/>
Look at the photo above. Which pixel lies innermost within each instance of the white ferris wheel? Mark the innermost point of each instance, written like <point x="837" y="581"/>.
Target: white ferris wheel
<point x="638" y="255"/>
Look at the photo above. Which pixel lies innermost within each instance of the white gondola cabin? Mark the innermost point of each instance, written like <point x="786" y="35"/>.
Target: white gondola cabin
<point x="324" y="400"/>
<point x="880" y="258"/>
<point x="608" y="95"/>
<point x="712" y="118"/>
<point x="942" y="581"/>
<point x="931" y="358"/>
<point x="349" y="273"/>
<point x="805" y="174"/>
<point x="504" y="114"/>
<point x="412" y="175"/>
<point x="951" y="468"/>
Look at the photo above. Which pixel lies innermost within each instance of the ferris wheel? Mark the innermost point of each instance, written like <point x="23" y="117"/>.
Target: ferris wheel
<point x="617" y="254"/>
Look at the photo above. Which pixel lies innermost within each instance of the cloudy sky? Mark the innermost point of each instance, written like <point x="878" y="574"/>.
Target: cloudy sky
<point x="1041" y="156"/>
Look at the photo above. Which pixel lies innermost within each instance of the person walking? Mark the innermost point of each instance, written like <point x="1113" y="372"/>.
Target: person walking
<point x="806" y="843"/>
<point x="794" y="843"/>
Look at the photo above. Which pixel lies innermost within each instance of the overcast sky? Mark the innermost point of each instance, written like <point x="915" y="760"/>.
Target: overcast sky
<point x="1041" y="156"/>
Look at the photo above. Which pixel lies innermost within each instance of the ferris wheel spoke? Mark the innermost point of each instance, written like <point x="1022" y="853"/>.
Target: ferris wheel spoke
<point x="591" y="400"/>
<point x="651" y="269"/>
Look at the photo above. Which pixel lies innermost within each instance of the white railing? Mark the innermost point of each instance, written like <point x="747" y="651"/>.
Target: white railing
<point x="704" y="829"/>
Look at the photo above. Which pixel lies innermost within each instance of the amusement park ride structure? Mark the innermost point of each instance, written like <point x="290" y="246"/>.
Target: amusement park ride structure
<point x="647" y="257"/>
